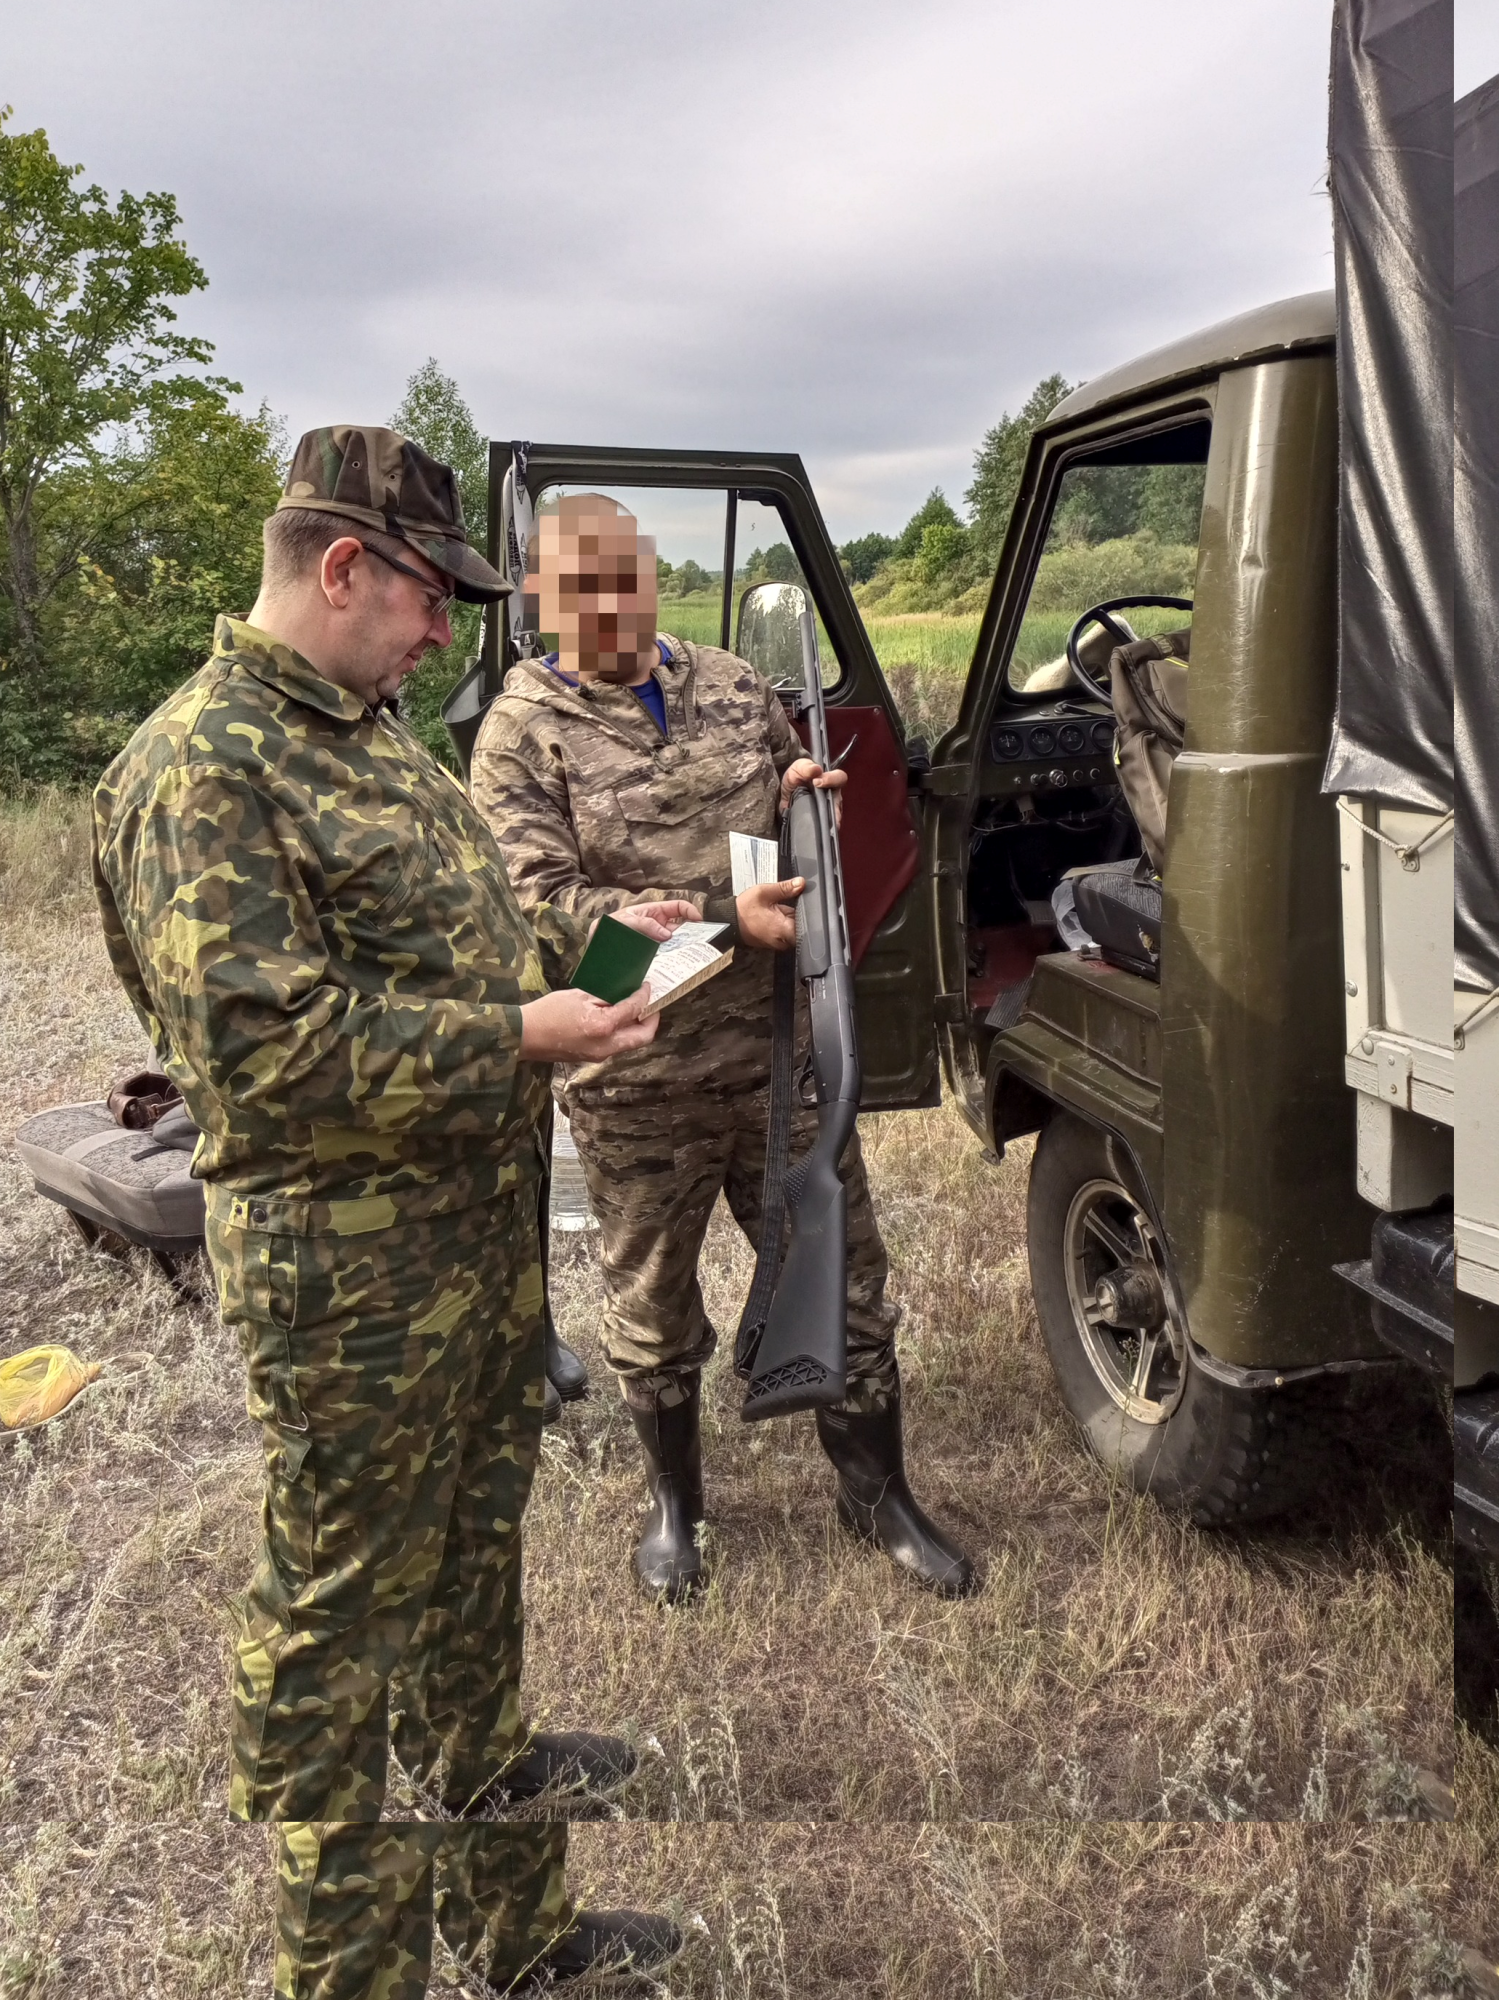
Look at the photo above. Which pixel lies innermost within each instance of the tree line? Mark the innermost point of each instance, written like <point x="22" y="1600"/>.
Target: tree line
<point x="132" y="488"/>
<point x="777" y="564"/>
<point x="940" y="562"/>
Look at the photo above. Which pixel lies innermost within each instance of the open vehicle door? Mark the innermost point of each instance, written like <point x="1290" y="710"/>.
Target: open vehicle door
<point x="889" y="911"/>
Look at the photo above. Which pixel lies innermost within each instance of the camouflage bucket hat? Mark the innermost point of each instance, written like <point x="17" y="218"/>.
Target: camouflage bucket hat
<point x="379" y="479"/>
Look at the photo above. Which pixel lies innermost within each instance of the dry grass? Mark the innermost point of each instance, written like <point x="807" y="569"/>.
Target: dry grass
<point x="799" y="1911"/>
<point x="834" y="1736"/>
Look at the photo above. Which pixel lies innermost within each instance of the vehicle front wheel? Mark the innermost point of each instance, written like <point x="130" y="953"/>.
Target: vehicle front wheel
<point x="1119" y="1348"/>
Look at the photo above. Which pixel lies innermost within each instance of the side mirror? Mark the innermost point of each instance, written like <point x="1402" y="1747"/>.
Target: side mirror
<point x="768" y="632"/>
<point x="464" y="710"/>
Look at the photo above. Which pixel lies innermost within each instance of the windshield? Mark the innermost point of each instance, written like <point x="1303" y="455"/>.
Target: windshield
<point x="1124" y="522"/>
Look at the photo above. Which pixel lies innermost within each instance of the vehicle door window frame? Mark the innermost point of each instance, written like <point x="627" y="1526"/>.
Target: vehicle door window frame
<point x="988" y="689"/>
<point x="772" y="479"/>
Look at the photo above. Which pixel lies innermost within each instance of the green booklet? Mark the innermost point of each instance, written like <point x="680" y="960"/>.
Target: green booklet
<point x="619" y="961"/>
<point x="615" y="963"/>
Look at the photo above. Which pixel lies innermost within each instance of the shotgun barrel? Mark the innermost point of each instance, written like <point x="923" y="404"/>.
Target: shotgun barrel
<point x="801" y="1358"/>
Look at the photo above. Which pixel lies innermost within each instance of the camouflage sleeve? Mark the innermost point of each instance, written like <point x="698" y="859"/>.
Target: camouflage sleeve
<point x="219" y="893"/>
<point x="527" y="814"/>
<point x="121" y="957"/>
<point x="560" y="939"/>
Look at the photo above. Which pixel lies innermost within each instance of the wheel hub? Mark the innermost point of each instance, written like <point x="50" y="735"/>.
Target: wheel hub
<point x="1121" y="1304"/>
<point x="1133" y="1296"/>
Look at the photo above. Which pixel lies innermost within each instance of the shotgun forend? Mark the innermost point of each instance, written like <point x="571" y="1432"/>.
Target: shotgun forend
<point x="800" y="1358"/>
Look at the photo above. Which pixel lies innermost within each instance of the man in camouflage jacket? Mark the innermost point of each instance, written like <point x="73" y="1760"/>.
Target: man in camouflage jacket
<point x="317" y="930"/>
<point x="613" y="772"/>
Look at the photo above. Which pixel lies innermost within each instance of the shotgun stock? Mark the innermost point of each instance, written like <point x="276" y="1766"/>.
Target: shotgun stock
<point x="800" y="1358"/>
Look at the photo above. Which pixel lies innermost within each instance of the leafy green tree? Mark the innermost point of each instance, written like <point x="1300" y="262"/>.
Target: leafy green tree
<point x="433" y="412"/>
<point x="998" y="464"/>
<point x="138" y="618"/>
<point x="935" y="511"/>
<point x="1098" y="503"/>
<point x="689" y="576"/>
<point x="779" y="565"/>
<point x="1103" y="503"/>
<point x="1171" y="502"/>
<point x="434" y="415"/>
<point x="943" y="547"/>
<point x="88" y="355"/>
<point x="863" y="557"/>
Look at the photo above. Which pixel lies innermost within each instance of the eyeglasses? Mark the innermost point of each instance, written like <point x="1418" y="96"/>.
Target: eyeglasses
<point x="439" y="603"/>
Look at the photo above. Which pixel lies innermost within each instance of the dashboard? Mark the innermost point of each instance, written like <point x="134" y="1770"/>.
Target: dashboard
<point x="1052" y="748"/>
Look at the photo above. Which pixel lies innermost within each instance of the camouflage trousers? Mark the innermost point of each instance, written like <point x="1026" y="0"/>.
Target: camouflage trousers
<point x="356" y="1903"/>
<point x="655" y="1165"/>
<point x="398" y="1379"/>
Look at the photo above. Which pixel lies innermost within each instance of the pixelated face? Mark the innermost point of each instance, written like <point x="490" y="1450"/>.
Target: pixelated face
<point x="596" y="589"/>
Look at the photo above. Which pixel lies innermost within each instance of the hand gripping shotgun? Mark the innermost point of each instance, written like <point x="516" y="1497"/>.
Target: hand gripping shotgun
<point x="793" y="1337"/>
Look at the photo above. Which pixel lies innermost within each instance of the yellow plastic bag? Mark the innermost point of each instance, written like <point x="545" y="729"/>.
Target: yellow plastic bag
<point x="36" y="1385"/>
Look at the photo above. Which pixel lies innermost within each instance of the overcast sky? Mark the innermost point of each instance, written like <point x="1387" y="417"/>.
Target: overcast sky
<point x="848" y="228"/>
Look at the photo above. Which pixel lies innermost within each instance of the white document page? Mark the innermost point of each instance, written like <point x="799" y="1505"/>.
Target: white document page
<point x="752" y="860"/>
<point x="688" y="955"/>
<point x="688" y="934"/>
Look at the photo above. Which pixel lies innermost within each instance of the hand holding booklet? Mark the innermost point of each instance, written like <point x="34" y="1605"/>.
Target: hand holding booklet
<point x="618" y="961"/>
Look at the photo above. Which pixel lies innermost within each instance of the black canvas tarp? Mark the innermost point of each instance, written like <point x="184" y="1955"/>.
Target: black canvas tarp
<point x="1475" y="336"/>
<point x="1390" y="168"/>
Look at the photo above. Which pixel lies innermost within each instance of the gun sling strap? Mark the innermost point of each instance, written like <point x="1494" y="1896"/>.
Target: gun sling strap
<point x="777" y="1150"/>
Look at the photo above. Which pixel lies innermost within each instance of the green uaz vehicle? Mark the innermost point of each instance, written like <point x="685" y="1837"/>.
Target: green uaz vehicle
<point x="1194" y="1182"/>
<point x="1175" y="893"/>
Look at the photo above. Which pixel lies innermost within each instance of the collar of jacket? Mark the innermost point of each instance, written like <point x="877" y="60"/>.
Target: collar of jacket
<point x="282" y="670"/>
<point x="598" y="701"/>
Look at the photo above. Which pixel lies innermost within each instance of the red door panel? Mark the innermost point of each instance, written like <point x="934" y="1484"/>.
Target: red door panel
<point x="877" y="835"/>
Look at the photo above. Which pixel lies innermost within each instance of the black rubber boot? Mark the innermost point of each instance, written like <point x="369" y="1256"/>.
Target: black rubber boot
<point x="551" y="1402"/>
<point x="605" y="1941"/>
<point x="566" y="1760"/>
<point x="877" y="1504"/>
<point x="667" y="1558"/>
<point x="565" y="1371"/>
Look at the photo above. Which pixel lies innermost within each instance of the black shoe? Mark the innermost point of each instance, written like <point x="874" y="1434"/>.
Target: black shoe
<point x="605" y="1941"/>
<point x="667" y="1558"/>
<point x="551" y="1402"/>
<point x="564" y="1760"/>
<point x="877" y="1504"/>
<point x="565" y="1371"/>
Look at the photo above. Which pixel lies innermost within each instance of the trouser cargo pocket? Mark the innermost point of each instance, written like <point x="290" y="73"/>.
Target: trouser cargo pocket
<point x="258" y="1288"/>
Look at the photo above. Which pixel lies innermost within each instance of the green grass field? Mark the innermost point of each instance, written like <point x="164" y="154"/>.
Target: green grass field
<point x="695" y="619"/>
<point x="928" y="640"/>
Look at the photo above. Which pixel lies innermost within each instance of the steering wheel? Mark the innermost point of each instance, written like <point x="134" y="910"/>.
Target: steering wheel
<point x="1098" y="614"/>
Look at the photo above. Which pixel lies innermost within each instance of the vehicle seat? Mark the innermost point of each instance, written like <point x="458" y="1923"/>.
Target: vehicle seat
<point x="1119" y="904"/>
<point x="1148" y="687"/>
<point x="134" y="1184"/>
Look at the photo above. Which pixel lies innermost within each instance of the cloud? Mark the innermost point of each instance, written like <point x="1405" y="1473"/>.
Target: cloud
<point x="857" y="232"/>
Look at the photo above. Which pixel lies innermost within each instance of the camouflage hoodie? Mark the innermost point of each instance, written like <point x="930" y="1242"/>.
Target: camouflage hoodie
<point x="595" y="808"/>
<point x="317" y="930"/>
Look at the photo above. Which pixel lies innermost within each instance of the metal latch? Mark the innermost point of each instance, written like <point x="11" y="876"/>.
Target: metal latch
<point x="946" y="781"/>
<point x="1393" y="1068"/>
